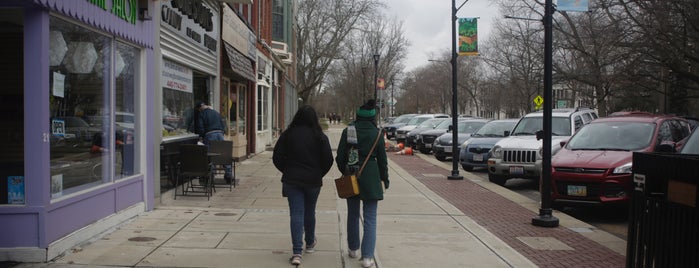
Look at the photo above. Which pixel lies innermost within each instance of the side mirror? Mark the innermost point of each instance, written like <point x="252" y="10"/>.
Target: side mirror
<point x="506" y="133"/>
<point x="563" y="143"/>
<point x="540" y="135"/>
<point x="450" y="128"/>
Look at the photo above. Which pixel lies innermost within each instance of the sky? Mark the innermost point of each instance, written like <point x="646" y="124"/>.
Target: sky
<point x="427" y="25"/>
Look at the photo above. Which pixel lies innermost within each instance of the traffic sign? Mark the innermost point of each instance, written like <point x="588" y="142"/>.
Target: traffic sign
<point x="538" y="100"/>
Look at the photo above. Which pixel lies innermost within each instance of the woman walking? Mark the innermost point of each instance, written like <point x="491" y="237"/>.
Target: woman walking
<point x="355" y="146"/>
<point x="304" y="156"/>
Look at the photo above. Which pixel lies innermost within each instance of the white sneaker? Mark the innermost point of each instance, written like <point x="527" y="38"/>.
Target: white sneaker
<point x="352" y="254"/>
<point x="367" y="262"/>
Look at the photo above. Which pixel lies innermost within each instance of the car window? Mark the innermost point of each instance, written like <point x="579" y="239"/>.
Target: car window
<point x="586" y="118"/>
<point x="680" y="130"/>
<point x="470" y="127"/>
<point x="692" y="145"/>
<point x="443" y="125"/>
<point x="664" y="133"/>
<point x="431" y="123"/>
<point x="627" y="136"/>
<point x="494" y="129"/>
<point x="578" y="122"/>
<point x="403" y="119"/>
<point x="560" y="126"/>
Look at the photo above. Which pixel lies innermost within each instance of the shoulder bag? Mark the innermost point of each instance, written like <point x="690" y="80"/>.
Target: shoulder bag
<point x="347" y="185"/>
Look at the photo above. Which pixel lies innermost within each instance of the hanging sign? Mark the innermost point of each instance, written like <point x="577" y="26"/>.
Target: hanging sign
<point x="468" y="36"/>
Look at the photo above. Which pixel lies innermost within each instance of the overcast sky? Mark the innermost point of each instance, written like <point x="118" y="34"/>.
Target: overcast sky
<point x="427" y="25"/>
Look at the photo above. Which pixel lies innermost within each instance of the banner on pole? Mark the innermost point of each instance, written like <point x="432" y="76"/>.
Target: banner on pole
<point x="573" y="5"/>
<point x="380" y="83"/>
<point x="468" y="36"/>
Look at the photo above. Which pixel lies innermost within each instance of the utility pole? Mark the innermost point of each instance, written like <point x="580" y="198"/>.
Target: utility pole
<point x="454" y="101"/>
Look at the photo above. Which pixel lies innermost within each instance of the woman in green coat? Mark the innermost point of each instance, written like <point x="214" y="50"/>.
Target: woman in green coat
<point x="355" y="145"/>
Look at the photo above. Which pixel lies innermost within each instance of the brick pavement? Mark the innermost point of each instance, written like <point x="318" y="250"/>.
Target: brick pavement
<point x="510" y="221"/>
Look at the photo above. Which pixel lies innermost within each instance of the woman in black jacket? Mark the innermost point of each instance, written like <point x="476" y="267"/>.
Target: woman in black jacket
<point x="304" y="156"/>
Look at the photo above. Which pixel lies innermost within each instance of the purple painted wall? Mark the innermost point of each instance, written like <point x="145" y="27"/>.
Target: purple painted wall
<point x="40" y="222"/>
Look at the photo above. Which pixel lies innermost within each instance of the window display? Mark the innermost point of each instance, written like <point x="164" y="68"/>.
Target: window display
<point x="88" y="146"/>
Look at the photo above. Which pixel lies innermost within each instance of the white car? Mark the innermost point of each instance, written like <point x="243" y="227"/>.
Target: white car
<point x="519" y="155"/>
<point x="402" y="132"/>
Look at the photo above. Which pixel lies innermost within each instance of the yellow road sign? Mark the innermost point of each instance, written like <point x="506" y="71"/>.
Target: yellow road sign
<point x="538" y="100"/>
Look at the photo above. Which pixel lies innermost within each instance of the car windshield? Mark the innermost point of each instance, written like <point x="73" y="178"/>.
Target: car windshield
<point x="692" y="145"/>
<point x="417" y="120"/>
<point x="430" y="123"/>
<point x="444" y="124"/>
<point x="403" y="119"/>
<point x="560" y="126"/>
<point x="75" y="122"/>
<point x="494" y="129"/>
<point x="470" y="127"/>
<point x="617" y="136"/>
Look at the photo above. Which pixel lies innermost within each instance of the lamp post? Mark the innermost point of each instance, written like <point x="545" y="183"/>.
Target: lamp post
<point x="545" y="217"/>
<point x="376" y="74"/>
<point x="363" y="84"/>
<point x="454" y="116"/>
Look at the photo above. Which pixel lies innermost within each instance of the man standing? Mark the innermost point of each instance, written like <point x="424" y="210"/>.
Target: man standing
<point x="210" y="127"/>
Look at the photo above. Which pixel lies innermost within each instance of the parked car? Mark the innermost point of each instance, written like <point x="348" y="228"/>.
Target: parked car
<point x="400" y="121"/>
<point x="519" y="155"/>
<point x="442" y="147"/>
<point x="430" y="124"/>
<point x="402" y="132"/>
<point x="595" y="165"/>
<point x="424" y="140"/>
<point x="476" y="150"/>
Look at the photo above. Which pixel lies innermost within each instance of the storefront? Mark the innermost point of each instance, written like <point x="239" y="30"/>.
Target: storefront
<point x="189" y="47"/>
<point x="76" y="81"/>
<point x="237" y="78"/>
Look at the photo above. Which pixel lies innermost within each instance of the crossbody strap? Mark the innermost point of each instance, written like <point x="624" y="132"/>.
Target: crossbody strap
<point x="369" y="154"/>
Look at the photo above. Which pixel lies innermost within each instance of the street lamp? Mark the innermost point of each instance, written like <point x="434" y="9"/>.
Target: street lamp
<point x="376" y="74"/>
<point x="454" y="116"/>
<point x="363" y="84"/>
<point x="545" y="217"/>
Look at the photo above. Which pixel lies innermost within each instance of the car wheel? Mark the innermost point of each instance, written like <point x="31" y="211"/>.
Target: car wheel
<point x="497" y="179"/>
<point x="440" y="157"/>
<point x="467" y="168"/>
<point x="425" y="150"/>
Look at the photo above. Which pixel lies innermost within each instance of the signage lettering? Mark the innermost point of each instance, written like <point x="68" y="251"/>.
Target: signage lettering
<point x="172" y="18"/>
<point x="195" y="10"/>
<point x="124" y="9"/>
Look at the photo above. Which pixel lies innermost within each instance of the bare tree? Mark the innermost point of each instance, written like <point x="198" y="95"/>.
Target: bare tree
<point x="322" y="26"/>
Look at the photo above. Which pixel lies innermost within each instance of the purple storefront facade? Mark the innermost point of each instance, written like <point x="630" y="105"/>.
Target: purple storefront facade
<point x="90" y="61"/>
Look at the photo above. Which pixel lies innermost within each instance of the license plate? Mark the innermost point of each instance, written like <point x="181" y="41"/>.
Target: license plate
<point x="478" y="157"/>
<point x="516" y="170"/>
<point x="577" y="190"/>
<point x="447" y="149"/>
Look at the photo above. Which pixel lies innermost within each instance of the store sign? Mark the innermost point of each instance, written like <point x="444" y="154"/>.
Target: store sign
<point x="236" y="33"/>
<point x="176" y="76"/>
<point x="193" y="20"/>
<point x="124" y="9"/>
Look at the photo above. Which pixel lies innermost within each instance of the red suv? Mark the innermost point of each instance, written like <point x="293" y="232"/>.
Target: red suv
<point x="594" y="165"/>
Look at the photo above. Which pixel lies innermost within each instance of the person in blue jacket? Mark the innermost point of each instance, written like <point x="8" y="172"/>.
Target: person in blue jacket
<point x="304" y="156"/>
<point x="211" y="127"/>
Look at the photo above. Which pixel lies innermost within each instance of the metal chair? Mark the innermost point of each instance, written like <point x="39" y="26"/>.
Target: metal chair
<point x="194" y="164"/>
<point x="224" y="157"/>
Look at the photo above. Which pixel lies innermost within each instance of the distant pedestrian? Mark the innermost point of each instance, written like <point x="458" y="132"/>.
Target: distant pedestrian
<point x="355" y="145"/>
<point x="304" y="156"/>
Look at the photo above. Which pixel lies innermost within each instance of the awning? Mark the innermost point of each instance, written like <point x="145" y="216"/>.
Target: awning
<point x="240" y="64"/>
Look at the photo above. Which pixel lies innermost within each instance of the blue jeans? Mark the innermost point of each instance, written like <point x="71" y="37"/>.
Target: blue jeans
<point x="302" y="211"/>
<point x="218" y="136"/>
<point x="368" y="242"/>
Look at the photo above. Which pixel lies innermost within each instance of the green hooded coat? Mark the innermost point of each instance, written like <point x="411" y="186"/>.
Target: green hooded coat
<point x="376" y="169"/>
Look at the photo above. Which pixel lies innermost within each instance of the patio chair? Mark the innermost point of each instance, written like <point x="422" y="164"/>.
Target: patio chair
<point x="224" y="157"/>
<point x="194" y="164"/>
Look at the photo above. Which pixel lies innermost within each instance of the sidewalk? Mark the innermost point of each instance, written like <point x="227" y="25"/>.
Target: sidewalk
<point x="425" y="220"/>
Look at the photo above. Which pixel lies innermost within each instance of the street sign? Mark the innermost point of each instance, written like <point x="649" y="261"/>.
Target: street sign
<point x="538" y="100"/>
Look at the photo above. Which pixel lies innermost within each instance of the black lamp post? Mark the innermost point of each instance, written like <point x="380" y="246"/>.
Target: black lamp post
<point x="545" y="217"/>
<point x="363" y="84"/>
<point x="376" y="75"/>
<point x="454" y="103"/>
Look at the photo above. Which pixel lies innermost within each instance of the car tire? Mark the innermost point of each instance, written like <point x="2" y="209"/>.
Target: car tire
<point x="497" y="179"/>
<point x="440" y="157"/>
<point x="467" y="168"/>
<point x="425" y="150"/>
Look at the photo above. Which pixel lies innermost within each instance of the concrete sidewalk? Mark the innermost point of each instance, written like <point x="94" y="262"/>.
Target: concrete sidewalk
<point x="249" y="227"/>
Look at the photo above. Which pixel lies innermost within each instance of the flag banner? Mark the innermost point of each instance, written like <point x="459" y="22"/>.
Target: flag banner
<point x="468" y="36"/>
<point x="573" y="5"/>
<point x="380" y="83"/>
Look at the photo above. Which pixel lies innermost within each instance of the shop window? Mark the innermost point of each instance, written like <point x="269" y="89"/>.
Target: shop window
<point x="182" y="88"/>
<point x="94" y="81"/>
<point x="262" y="105"/>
